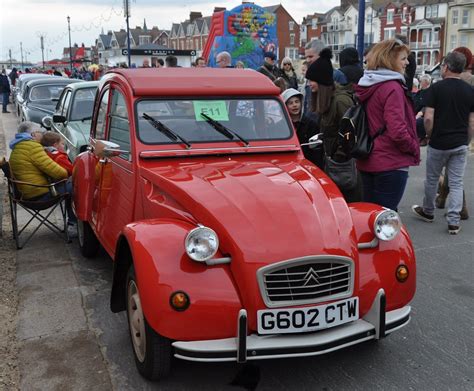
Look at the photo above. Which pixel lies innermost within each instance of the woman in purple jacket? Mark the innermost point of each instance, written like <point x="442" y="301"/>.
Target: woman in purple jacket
<point x="389" y="106"/>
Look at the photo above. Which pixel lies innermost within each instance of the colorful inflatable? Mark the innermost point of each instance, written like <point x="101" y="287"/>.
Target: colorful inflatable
<point x="246" y="32"/>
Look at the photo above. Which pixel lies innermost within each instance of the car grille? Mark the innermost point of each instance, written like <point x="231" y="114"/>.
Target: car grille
<point x="310" y="281"/>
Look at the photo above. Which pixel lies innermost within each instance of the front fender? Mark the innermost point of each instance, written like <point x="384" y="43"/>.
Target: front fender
<point x="377" y="265"/>
<point x="162" y="267"/>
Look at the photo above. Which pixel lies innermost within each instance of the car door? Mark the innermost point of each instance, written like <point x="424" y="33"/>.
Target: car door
<point x="116" y="192"/>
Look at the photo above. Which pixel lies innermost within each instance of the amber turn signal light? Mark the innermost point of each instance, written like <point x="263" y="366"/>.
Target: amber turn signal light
<point x="179" y="301"/>
<point x="402" y="273"/>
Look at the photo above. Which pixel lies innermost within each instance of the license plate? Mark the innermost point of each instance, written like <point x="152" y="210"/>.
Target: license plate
<point x="301" y="320"/>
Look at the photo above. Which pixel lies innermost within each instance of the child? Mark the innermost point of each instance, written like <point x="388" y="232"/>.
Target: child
<point x="54" y="147"/>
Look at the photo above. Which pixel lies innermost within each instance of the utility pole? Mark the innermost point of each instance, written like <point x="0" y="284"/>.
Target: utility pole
<point x="361" y="30"/>
<point x="126" y="11"/>
<point x="21" y="52"/>
<point x="70" y="49"/>
<point x="42" y="48"/>
<point x="10" y="56"/>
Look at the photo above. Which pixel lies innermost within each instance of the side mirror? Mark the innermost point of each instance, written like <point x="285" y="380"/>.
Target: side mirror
<point x="59" y="118"/>
<point x="314" y="141"/>
<point x="47" y="122"/>
<point x="108" y="149"/>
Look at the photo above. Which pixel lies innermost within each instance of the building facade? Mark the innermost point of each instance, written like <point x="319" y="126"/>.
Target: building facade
<point x="460" y="25"/>
<point x="288" y="32"/>
<point x="427" y="33"/>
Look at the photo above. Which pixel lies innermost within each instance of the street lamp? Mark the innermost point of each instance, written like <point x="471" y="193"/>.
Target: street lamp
<point x="70" y="49"/>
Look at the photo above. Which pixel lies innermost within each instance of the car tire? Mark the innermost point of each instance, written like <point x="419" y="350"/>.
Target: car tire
<point x="88" y="242"/>
<point x="152" y="351"/>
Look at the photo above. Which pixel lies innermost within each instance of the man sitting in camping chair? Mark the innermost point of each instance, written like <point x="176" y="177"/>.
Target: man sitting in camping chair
<point x="30" y="164"/>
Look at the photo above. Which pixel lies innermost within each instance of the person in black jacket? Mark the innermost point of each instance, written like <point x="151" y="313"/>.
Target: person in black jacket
<point x="306" y="125"/>
<point x="269" y="68"/>
<point x="351" y="70"/>
<point x="288" y="73"/>
<point x="4" y="90"/>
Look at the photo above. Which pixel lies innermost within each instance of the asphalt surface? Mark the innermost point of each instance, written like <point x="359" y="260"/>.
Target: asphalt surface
<point x="69" y="339"/>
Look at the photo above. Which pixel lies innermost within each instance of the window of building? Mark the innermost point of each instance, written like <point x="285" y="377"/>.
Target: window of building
<point x="143" y="39"/>
<point x="427" y="11"/>
<point x="463" y="40"/>
<point x="292" y="39"/>
<point x="292" y="53"/>
<point x="390" y="14"/>
<point x="454" y="41"/>
<point x="465" y="18"/>
<point x="434" y="11"/>
<point x="389" y="33"/>
<point x="369" y="18"/>
<point x="291" y="25"/>
<point x="455" y="17"/>
<point x="314" y="23"/>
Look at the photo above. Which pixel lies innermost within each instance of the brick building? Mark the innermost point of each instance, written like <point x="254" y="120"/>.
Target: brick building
<point x="288" y="32"/>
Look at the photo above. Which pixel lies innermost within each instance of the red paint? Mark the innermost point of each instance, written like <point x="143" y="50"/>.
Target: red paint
<point x="265" y="207"/>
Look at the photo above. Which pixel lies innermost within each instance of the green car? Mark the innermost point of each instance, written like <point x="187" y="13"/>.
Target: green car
<point x="72" y="117"/>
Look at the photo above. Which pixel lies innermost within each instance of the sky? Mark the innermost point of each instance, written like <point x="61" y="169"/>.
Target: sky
<point x="25" y="21"/>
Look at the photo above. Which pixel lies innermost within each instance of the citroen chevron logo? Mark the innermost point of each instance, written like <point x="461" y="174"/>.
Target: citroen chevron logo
<point x="311" y="276"/>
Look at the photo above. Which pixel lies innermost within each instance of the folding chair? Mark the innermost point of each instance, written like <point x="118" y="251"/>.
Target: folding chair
<point x="42" y="211"/>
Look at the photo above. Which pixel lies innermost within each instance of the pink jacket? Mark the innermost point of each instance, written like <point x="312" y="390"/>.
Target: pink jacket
<point x="387" y="104"/>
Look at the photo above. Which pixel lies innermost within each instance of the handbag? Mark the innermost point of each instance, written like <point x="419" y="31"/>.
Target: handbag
<point x="343" y="174"/>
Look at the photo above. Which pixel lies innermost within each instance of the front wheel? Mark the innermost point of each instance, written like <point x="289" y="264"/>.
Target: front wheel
<point x="152" y="351"/>
<point x="88" y="242"/>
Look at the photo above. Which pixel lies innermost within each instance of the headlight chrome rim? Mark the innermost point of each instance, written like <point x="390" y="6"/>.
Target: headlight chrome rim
<point x="196" y="233"/>
<point x="378" y="224"/>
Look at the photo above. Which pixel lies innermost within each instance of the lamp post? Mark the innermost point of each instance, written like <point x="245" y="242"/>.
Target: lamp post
<point x="70" y="49"/>
<point x="361" y="30"/>
<point x="21" y="51"/>
<point x="42" y="49"/>
<point x="127" y="15"/>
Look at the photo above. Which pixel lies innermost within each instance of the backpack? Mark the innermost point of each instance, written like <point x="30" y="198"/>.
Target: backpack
<point x="354" y="137"/>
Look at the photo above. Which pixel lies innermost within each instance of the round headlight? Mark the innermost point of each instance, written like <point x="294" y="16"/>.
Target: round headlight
<point x="201" y="244"/>
<point x="387" y="225"/>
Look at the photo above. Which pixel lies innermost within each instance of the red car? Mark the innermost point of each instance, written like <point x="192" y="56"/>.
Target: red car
<point x="228" y="245"/>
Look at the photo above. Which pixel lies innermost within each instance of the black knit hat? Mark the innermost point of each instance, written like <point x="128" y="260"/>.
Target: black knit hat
<point x="321" y="70"/>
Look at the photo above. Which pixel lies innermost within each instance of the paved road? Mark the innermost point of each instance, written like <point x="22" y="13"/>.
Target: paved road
<point x="69" y="336"/>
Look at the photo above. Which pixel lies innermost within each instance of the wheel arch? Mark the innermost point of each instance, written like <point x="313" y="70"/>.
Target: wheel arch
<point x="123" y="261"/>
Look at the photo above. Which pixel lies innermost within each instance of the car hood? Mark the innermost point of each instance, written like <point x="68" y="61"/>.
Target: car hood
<point x="264" y="211"/>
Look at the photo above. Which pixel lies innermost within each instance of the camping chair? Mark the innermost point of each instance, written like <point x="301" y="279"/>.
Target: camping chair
<point x="42" y="211"/>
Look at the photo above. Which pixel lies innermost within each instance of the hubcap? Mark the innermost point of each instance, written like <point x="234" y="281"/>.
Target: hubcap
<point x="136" y="321"/>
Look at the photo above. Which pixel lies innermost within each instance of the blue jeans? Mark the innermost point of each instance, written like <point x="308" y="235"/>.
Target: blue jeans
<point x="385" y="188"/>
<point x="455" y="161"/>
<point x="5" y="99"/>
<point x="61" y="189"/>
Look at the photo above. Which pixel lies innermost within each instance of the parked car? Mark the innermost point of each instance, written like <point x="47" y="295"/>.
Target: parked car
<point x="228" y="245"/>
<point x="18" y="92"/>
<point x="41" y="97"/>
<point x="72" y="117"/>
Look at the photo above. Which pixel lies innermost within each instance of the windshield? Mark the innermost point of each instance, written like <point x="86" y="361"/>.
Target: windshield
<point x="247" y="119"/>
<point x="46" y="92"/>
<point x="83" y="104"/>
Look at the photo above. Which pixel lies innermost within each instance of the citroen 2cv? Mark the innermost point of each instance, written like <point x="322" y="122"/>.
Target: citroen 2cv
<point x="228" y="245"/>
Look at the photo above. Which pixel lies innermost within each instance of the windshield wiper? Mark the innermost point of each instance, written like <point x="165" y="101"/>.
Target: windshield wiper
<point x="165" y="130"/>
<point x="230" y="134"/>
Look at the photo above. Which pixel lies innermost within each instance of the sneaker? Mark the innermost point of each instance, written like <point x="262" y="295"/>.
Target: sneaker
<point x="418" y="210"/>
<point x="454" y="229"/>
<point x="6" y="112"/>
<point x="72" y="230"/>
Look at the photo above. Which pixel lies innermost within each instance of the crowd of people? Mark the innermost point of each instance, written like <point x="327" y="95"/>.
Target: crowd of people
<point x="403" y="113"/>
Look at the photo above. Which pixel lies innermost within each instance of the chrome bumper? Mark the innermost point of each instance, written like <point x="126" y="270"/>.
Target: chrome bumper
<point x="375" y="325"/>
